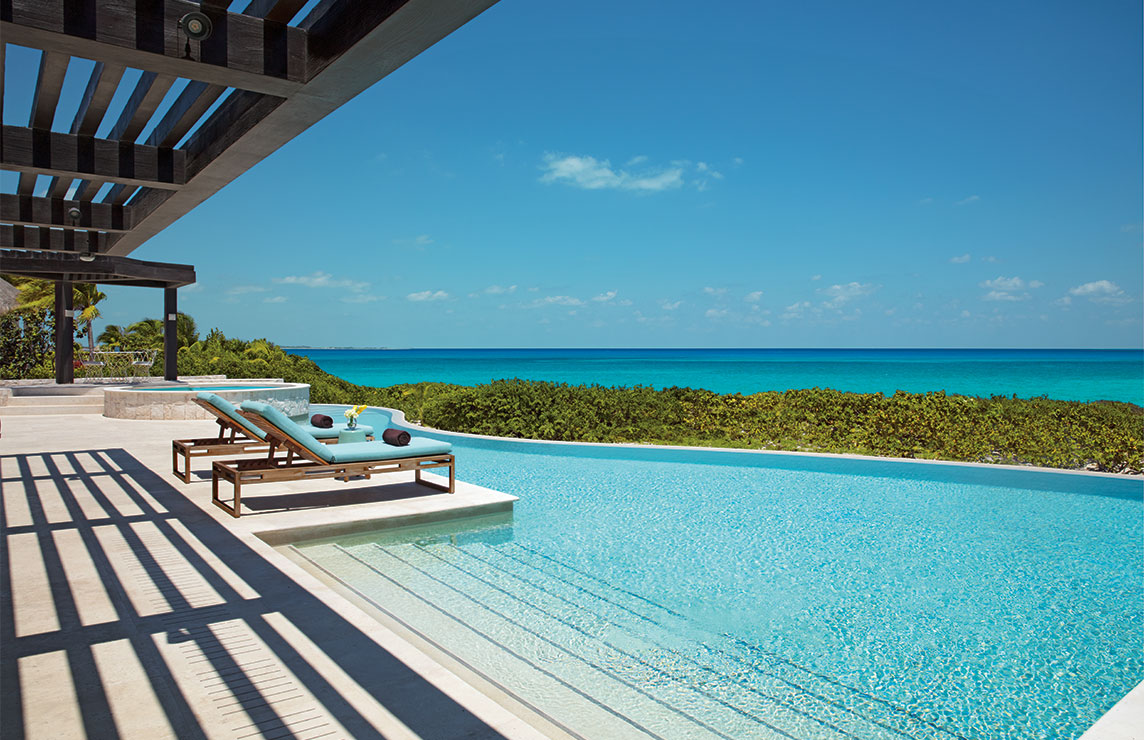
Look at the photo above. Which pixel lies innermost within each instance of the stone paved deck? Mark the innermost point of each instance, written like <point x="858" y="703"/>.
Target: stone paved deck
<point x="132" y="607"/>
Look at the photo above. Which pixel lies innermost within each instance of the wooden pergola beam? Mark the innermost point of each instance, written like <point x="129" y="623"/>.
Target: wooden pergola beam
<point x="49" y="82"/>
<point x="51" y="240"/>
<point x="187" y="109"/>
<point x="243" y="51"/>
<point x="101" y="269"/>
<point x="137" y="111"/>
<point x="27" y="210"/>
<point x="97" y="96"/>
<point x="68" y="155"/>
<point x="348" y="54"/>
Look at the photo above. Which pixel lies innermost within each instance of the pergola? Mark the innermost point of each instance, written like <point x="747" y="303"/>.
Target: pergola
<point x="218" y="92"/>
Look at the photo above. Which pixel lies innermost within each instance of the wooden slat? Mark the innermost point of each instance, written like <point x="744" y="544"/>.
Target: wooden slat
<point x="243" y="51"/>
<point x="187" y="109"/>
<point x="119" y="194"/>
<point x="97" y="96"/>
<point x="26" y="185"/>
<point x="279" y="11"/>
<point x="137" y="111"/>
<point x="58" y="188"/>
<point x="247" y="127"/>
<point x="67" y="155"/>
<point x="93" y="106"/>
<point x="86" y="190"/>
<point x="36" y="211"/>
<point x="49" y="240"/>
<point x="49" y="81"/>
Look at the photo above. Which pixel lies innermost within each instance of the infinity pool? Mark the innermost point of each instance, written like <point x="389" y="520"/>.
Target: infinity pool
<point x="644" y="592"/>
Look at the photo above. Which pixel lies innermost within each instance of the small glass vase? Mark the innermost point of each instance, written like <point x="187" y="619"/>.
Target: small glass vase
<point x="352" y="423"/>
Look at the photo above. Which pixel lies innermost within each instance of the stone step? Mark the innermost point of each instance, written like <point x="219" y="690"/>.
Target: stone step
<point x="50" y="409"/>
<point x="93" y="399"/>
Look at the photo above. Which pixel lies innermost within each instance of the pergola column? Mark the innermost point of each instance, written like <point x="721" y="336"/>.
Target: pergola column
<point x="65" y="333"/>
<point x="170" y="335"/>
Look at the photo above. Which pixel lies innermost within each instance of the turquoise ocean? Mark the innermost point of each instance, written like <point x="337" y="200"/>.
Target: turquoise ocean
<point x="1072" y="375"/>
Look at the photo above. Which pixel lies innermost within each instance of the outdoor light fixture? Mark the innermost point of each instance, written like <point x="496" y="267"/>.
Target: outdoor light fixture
<point x="74" y="215"/>
<point x="196" y="25"/>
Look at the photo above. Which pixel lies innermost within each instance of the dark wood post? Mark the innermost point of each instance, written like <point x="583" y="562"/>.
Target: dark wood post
<point x="65" y="333"/>
<point x="170" y="334"/>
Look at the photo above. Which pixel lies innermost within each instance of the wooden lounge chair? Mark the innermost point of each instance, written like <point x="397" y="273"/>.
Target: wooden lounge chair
<point x="236" y="436"/>
<point x="308" y="458"/>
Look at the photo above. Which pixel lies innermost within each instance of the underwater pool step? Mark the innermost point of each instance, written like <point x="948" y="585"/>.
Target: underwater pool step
<point x="668" y="702"/>
<point x="599" y="660"/>
<point x="397" y="590"/>
<point x="829" y="701"/>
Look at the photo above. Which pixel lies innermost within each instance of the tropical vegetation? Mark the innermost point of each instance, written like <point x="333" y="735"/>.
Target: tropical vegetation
<point x="1038" y="431"/>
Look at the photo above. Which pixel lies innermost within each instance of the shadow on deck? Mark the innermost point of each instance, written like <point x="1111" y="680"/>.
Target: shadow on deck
<point x="126" y="611"/>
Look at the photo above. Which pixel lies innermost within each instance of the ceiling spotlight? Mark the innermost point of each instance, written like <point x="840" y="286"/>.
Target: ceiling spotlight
<point x="196" y="25"/>
<point x="87" y="257"/>
<point x="74" y="214"/>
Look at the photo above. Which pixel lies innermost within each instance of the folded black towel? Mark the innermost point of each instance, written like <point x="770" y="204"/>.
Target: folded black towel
<point x="395" y="437"/>
<point x="321" y="421"/>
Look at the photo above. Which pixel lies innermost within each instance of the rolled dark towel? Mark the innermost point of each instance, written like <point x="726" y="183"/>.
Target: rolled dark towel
<point x="395" y="437"/>
<point x="321" y="421"/>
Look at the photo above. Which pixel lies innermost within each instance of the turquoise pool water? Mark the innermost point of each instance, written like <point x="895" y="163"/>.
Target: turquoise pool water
<point x="735" y="595"/>
<point x="211" y="388"/>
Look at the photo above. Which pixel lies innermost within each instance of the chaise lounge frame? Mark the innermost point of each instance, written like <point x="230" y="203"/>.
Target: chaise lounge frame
<point x="300" y="463"/>
<point x="232" y="440"/>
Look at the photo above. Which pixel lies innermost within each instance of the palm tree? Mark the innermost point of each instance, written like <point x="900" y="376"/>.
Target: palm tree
<point x="186" y="330"/>
<point x="35" y="293"/>
<point x="113" y="336"/>
<point x="146" y="334"/>
<point x="85" y="298"/>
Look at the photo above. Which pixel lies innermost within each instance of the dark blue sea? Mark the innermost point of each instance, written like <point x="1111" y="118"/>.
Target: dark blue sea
<point x="1074" y="375"/>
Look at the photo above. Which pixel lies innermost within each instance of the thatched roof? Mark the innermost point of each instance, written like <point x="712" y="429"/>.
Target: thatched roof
<point x="9" y="297"/>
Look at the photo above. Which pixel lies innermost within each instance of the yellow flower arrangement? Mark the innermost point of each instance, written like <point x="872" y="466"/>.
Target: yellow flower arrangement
<point x="352" y="415"/>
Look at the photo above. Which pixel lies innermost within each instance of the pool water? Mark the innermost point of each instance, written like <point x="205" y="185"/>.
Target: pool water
<point x="211" y="388"/>
<point x="650" y="592"/>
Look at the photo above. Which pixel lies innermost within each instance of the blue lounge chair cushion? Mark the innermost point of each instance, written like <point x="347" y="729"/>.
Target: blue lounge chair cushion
<point x="332" y="432"/>
<point x="289" y="427"/>
<point x="377" y="450"/>
<point x="229" y="409"/>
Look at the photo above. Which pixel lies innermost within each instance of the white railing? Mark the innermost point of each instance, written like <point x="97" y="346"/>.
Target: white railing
<point x="113" y="364"/>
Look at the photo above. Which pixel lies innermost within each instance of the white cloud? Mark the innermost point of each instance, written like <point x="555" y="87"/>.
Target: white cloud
<point x="624" y="302"/>
<point x="638" y="159"/>
<point x="362" y="298"/>
<point x="1036" y="284"/>
<point x="967" y="201"/>
<point x="605" y="297"/>
<point x="275" y="299"/>
<point x="242" y="289"/>
<point x="1001" y="295"/>
<point x="715" y="291"/>
<point x="713" y="313"/>
<point x="960" y="260"/>
<point x="737" y="161"/>
<point x="1003" y="283"/>
<point x="500" y="289"/>
<point x="796" y="310"/>
<point x="428" y="295"/>
<point x="321" y="279"/>
<point x="965" y="313"/>
<point x="990" y="258"/>
<point x="841" y="294"/>
<point x="754" y="297"/>
<point x="590" y="173"/>
<point x="1100" y="291"/>
<point x="557" y="300"/>
<point x="814" y="278"/>
<point x="670" y="305"/>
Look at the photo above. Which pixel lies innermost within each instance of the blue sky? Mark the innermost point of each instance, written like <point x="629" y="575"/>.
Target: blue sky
<point x="610" y="174"/>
